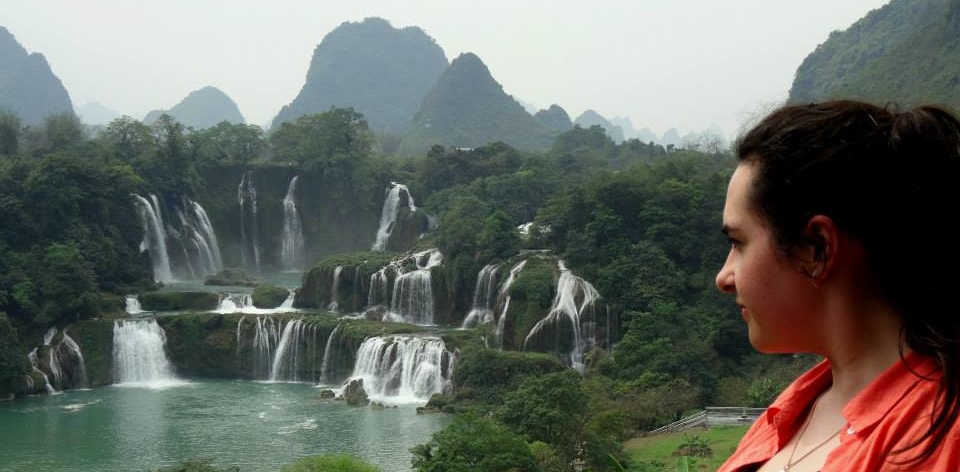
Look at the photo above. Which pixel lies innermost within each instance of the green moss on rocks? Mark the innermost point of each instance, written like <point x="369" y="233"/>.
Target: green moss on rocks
<point x="231" y="277"/>
<point x="269" y="296"/>
<point x="173" y="301"/>
<point x="531" y="296"/>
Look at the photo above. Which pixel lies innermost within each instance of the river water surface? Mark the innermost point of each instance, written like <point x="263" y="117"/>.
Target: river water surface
<point x="255" y="426"/>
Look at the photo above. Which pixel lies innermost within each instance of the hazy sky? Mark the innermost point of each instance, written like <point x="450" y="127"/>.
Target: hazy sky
<point x="689" y="64"/>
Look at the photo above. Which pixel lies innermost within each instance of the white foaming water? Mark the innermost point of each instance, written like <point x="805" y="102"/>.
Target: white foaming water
<point x="154" y="237"/>
<point x="291" y="247"/>
<point x="388" y="216"/>
<point x="482" y="309"/>
<point x="503" y="301"/>
<point x="403" y="368"/>
<point x="139" y="359"/>
<point x="334" y="304"/>
<point x="580" y="316"/>
<point x="412" y="300"/>
<point x="132" y="305"/>
<point x="249" y="244"/>
<point x="243" y="303"/>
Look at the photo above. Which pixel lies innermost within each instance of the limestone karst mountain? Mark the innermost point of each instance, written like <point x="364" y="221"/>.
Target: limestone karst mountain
<point x="378" y="70"/>
<point x="468" y="108"/>
<point x="906" y="52"/>
<point x="592" y="118"/>
<point x="201" y="109"/>
<point x="555" y="118"/>
<point x="28" y="86"/>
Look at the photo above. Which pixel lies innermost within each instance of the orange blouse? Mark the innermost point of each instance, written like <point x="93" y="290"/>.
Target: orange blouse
<point x="890" y="413"/>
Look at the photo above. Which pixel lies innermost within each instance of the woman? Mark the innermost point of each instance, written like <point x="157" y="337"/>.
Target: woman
<point x="839" y="218"/>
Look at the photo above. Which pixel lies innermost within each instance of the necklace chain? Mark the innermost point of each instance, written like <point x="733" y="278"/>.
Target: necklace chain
<point x="790" y="461"/>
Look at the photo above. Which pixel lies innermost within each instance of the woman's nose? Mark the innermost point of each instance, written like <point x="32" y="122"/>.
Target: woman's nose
<point x="725" y="281"/>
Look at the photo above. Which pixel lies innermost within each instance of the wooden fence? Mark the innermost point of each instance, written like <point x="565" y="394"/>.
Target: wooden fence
<point x="713" y="416"/>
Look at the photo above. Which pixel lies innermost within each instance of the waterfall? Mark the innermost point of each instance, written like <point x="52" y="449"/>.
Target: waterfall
<point x="291" y="250"/>
<point x="388" y="216"/>
<point x="201" y="251"/>
<point x="132" y="305"/>
<point x="333" y="289"/>
<point x="34" y="363"/>
<point x="566" y="309"/>
<point x="297" y="346"/>
<point x="327" y="352"/>
<point x="401" y="369"/>
<point x="482" y="309"/>
<point x="379" y="287"/>
<point x="207" y="234"/>
<point x="249" y="243"/>
<point x="412" y="300"/>
<point x="154" y="238"/>
<point x="265" y="340"/>
<point x="138" y="354"/>
<point x="243" y="303"/>
<point x="73" y="350"/>
<point x="503" y="301"/>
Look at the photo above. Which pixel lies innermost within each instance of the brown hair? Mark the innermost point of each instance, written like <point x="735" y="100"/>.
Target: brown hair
<point x="890" y="179"/>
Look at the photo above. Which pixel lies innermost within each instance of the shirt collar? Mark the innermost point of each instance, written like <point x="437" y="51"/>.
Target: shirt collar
<point x="888" y="389"/>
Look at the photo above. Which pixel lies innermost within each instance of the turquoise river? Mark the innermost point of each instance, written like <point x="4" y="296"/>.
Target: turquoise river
<point x="256" y="426"/>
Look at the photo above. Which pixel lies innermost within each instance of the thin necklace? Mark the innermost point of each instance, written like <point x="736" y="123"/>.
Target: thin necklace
<point x="790" y="461"/>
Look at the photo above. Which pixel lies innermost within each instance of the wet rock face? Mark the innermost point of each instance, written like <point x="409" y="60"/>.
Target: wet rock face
<point x="354" y="394"/>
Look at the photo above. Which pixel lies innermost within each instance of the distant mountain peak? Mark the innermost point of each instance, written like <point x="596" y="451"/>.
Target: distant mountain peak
<point x="378" y="70"/>
<point x="28" y="86"/>
<point x="468" y="108"/>
<point x="202" y="108"/>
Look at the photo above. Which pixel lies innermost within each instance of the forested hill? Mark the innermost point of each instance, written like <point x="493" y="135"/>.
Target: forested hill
<point x="372" y="67"/>
<point x="907" y="52"/>
<point x="468" y="108"/>
<point x="28" y="87"/>
<point x="201" y="109"/>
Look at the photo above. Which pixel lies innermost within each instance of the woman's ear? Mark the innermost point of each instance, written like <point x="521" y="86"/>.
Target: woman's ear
<point x="818" y="259"/>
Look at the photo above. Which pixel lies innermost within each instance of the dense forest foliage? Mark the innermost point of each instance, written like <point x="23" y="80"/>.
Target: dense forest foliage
<point x="638" y="220"/>
<point x="904" y="53"/>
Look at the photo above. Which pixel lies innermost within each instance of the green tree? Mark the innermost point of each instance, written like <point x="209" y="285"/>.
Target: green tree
<point x="127" y="138"/>
<point x="12" y="365"/>
<point x="334" y="141"/>
<point x="229" y="143"/>
<point x="9" y="132"/>
<point x="551" y="408"/>
<point x="330" y="463"/>
<point x="499" y="237"/>
<point x="62" y="131"/>
<point x="474" y="444"/>
<point x="66" y="282"/>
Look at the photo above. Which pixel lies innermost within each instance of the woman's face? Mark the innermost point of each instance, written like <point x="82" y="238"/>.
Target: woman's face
<point x="774" y="296"/>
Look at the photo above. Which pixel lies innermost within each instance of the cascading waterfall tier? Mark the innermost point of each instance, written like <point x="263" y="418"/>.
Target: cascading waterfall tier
<point x="412" y="300"/>
<point x="403" y="368"/>
<point x="243" y="303"/>
<point x="291" y="250"/>
<point x="482" y="309"/>
<point x="280" y="349"/>
<point x="249" y="224"/>
<point x="154" y="237"/>
<point x="190" y="237"/>
<point x="388" y="215"/>
<point x="334" y="292"/>
<point x="138" y="355"/>
<point x="298" y="345"/>
<point x="59" y="362"/>
<point x="503" y="302"/>
<point x="574" y="310"/>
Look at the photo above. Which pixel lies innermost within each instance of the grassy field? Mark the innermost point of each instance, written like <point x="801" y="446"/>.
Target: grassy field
<point x="655" y="453"/>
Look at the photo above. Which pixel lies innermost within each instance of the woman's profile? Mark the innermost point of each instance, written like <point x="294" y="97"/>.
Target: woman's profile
<point x="840" y="218"/>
